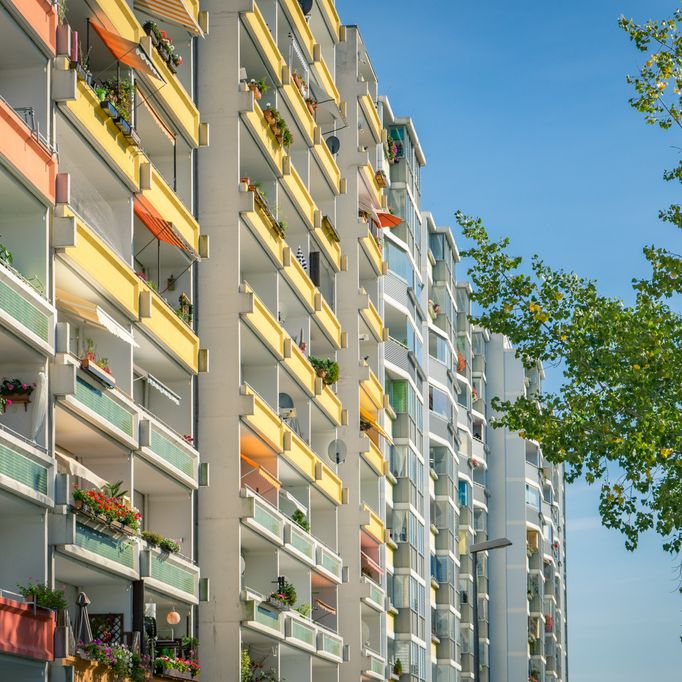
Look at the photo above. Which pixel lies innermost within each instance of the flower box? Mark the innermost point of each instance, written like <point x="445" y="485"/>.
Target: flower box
<point x="170" y="674"/>
<point x="98" y="373"/>
<point x="381" y="179"/>
<point x="277" y="604"/>
<point x="16" y="399"/>
<point x="109" y="108"/>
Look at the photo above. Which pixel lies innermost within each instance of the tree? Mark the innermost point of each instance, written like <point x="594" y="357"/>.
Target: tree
<point x="616" y="419"/>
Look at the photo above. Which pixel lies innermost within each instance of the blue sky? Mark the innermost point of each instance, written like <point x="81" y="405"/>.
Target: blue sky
<point x="522" y="112"/>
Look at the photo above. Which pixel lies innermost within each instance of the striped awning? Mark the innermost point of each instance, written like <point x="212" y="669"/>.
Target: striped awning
<point x="371" y="420"/>
<point x="158" y="225"/>
<point x="173" y="11"/>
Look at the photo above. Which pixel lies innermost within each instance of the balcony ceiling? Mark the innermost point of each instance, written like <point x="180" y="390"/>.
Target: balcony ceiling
<point x="84" y="575"/>
<point x="82" y="439"/>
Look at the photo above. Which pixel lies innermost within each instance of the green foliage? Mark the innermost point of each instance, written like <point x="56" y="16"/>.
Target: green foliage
<point x="124" y="663"/>
<point x="285" y="136"/>
<point x="245" y="666"/>
<point x="286" y="594"/>
<point x="158" y="540"/>
<point x="616" y="418"/>
<point x="327" y="370"/>
<point x="6" y="255"/>
<point x="43" y="595"/>
<point x="260" y="84"/>
<point x="300" y="519"/>
<point x="305" y="610"/>
<point x="170" y="546"/>
<point x="114" y="490"/>
<point x="120" y="94"/>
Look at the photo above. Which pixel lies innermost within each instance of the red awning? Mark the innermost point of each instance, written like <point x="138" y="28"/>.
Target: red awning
<point x="154" y="222"/>
<point x="126" y="51"/>
<point x="387" y="219"/>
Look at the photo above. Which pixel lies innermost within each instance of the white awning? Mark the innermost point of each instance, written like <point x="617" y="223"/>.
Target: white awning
<point x="92" y="314"/>
<point x="173" y="11"/>
<point x="77" y="469"/>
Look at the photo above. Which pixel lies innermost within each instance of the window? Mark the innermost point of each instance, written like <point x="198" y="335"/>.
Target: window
<point x="438" y="348"/>
<point x="532" y="496"/>
<point x="439" y="402"/>
<point x="464" y="494"/>
<point x="398" y="262"/>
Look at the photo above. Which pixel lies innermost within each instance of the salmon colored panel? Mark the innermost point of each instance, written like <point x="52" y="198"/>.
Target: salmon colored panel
<point x="24" y="155"/>
<point x="41" y="16"/>
<point x="25" y="633"/>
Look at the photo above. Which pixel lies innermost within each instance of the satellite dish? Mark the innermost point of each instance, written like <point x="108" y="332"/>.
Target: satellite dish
<point x="333" y="144"/>
<point x="337" y="451"/>
<point x="286" y="406"/>
<point x="306" y="6"/>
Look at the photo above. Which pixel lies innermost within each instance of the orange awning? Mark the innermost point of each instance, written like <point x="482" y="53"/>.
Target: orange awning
<point x="126" y="51"/>
<point x="263" y="472"/>
<point x="157" y="225"/>
<point x="387" y="219"/>
<point x="370" y="419"/>
<point x="371" y="563"/>
<point x="174" y="11"/>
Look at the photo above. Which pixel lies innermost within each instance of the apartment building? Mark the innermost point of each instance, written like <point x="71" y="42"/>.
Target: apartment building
<point x="347" y="464"/>
<point x="292" y="527"/>
<point x="98" y="348"/>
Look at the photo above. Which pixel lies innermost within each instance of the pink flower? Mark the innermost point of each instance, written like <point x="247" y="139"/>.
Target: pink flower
<point x="9" y="402"/>
<point x="24" y="386"/>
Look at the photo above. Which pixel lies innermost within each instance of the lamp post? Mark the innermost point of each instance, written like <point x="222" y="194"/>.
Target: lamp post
<point x="474" y="550"/>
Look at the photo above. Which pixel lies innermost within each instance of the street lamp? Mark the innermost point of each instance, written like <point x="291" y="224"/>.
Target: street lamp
<point x="474" y="550"/>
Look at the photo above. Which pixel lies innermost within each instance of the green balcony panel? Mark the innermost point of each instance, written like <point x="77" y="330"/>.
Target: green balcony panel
<point x="105" y="546"/>
<point x="23" y="470"/>
<point x="24" y="312"/>
<point x="107" y="408"/>
<point x="163" y="446"/>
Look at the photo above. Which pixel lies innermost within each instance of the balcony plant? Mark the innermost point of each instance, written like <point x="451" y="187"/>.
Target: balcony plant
<point x="43" y="596"/>
<point x="278" y="125"/>
<point x="284" y="597"/>
<point x="305" y="610"/>
<point x="391" y="150"/>
<point x="176" y="668"/>
<point x="326" y="369"/>
<point x="300" y="519"/>
<point x="124" y="663"/>
<point x="398" y="667"/>
<point x="312" y="105"/>
<point x="15" y="391"/>
<point x="258" y="87"/>
<point x="6" y="255"/>
<point x="108" y="509"/>
<point x="163" y="44"/>
<point x="160" y="541"/>
<point x="381" y="179"/>
<point x="300" y="83"/>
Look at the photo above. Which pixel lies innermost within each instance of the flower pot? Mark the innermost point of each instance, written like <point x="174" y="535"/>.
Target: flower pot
<point x="256" y="92"/>
<point x="276" y="604"/>
<point x="322" y="373"/>
<point x="270" y="117"/>
<point x="312" y="107"/>
<point x="109" y="108"/>
<point x="170" y="674"/>
<point x="172" y="66"/>
<point x="16" y="399"/>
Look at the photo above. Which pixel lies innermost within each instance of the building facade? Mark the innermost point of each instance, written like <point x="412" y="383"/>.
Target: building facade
<point x="347" y="463"/>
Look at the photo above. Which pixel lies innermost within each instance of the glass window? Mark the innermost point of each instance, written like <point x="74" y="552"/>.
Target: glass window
<point x="533" y="496"/>
<point x="464" y="494"/>
<point x="438" y="348"/>
<point x="439" y="402"/>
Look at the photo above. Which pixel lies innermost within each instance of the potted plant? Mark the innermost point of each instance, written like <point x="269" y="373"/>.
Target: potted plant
<point x="123" y="662"/>
<point x="186" y="310"/>
<point x="381" y="179"/>
<point x="176" y="668"/>
<point x="284" y="597"/>
<point x="258" y="87"/>
<point x="312" y="105"/>
<point x="157" y="540"/>
<point x="15" y="391"/>
<point x="6" y="255"/>
<point x="305" y="610"/>
<point x="45" y="597"/>
<point x="300" y="83"/>
<point x="300" y="519"/>
<point x="326" y="369"/>
<point x="398" y="667"/>
<point x="110" y="510"/>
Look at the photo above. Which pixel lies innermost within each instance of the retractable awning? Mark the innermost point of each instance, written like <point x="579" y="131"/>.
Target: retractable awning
<point x="257" y="468"/>
<point x="371" y="420"/>
<point x="127" y="52"/>
<point x="92" y="314"/>
<point x="75" y="468"/>
<point x="157" y="225"/>
<point x="371" y="563"/>
<point x="387" y="219"/>
<point x="174" y="11"/>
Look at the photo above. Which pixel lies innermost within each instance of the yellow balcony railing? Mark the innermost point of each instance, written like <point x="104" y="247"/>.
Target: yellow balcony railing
<point x="120" y="18"/>
<point x="374" y="525"/>
<point x="325" y="79"/>
<point x="372" y="388"/>
<point x="329" y="323"/>
<point x="330" y="403"/>
<point x="375" y="457"/>
<point x="299" y="108"/>
<point x="371" y="316"/>
<point x="264" y="323"/>
<point x="331" y="17"/>
<point x="369" y="180"/>
<point x="271" y="148"/>
<point x="176" y="101"/>
<point x="260" y="226"/>
<point x="115" y="279"/>
<point x="267" y="47"/>
<point x="102" y="132"/>
<point x="371" y="248"/>
<point x="172" y="209"/>
<point x="301" y="369"/>
<point x="299" y="194"/>
<point x="329" y="167"/>
<point x="301" y="457"/>
<point x="372" y="116"/>
<point x="329" y="483"/>
<point x="301" y="282"/>
<point x="170" y="331"/>
<point x="262" y="419"/>
<point x="300" y="26"/>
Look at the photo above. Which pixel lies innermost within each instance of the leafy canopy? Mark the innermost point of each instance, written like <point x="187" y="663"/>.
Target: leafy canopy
<point x="617" y="417"/>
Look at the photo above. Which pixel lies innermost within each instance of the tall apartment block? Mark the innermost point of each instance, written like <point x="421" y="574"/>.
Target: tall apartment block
<point x="347" y="460"/>
<point x="99" y="130"/>
<point x="292" y="526"/>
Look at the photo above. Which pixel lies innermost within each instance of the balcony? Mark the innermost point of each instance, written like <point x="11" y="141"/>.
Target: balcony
<point x="169" y="206"/>
<point x="264" y="323"/>
<point x="328" y="321"/>
<point x="25" y="156"/>
<point x="259" y="617"/>
<point x="258" y="415"/>
<point x="300" y="543"/>
<point x="329" y="645"/>
<point x="260" y="224"/>
<point x="26" y="630"/>
<point x="374" y="665"/>
<point x="39" y="17"/>
<point x="331" y="17"/>
<point x="107" y="410"/>
<point x="267" y="47"/>
<point x="325" y="79"/>
<point x="372" y="524"/>
<point x="294" y="99"/>
<point x="24" y="312"/>
<point x="300" y="26"/>
<point x="99" y="129"/>
<point x="373" y="390"/>
<point x="373" y="594"/>
<point x="371" y="248"/>
<point x="260" y="516"/>
<point x="170" y="574"/>
<point x="328" y="165"/>
<point x="89" y="542"/>
<point x="168" y="450"/>
<point x="265" y="138"/>
<point x="329" y="563"/>
<point x="371" y="116"/>
<point x="300" y="456"/>
<point x="374" y="457"/>
<point x="374" y="322"/>
<point x="369" y="180"/>
<point x="24" y="470"/>
<point x="300" y="632"/>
